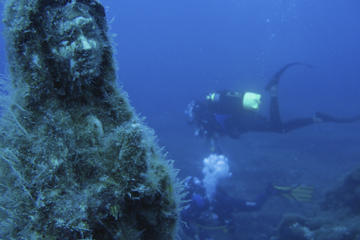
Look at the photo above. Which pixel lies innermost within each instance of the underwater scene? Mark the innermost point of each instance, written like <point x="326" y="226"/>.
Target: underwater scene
<point x="192" y="120"/>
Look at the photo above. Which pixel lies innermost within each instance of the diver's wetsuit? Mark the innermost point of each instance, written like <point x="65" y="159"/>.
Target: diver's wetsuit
<point x="227" y="116"/>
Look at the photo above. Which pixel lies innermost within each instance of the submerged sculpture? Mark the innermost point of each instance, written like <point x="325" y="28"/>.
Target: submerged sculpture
<point x="75" y="160"/>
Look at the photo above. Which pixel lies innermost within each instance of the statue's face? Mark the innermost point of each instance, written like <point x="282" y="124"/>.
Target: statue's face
<point x="79" y="46"/>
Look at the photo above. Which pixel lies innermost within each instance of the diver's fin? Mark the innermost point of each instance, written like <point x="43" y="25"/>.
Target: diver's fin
<point x="276" y="77"/>
<point x="324" y="117"/>
<point x="298" y="193"/>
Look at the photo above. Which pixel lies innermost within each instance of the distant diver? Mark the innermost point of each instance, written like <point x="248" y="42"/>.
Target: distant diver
<point x="203" y="215"/>
<point x="232" y="113"/>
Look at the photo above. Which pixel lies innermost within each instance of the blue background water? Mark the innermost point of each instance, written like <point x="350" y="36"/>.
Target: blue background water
<point x="171" y="52"/>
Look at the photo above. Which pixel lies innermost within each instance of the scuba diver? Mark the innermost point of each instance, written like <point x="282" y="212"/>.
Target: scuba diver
<point x="202" y="215"/>
<point x="210" y="207"/>
<point x="232" y="113"/>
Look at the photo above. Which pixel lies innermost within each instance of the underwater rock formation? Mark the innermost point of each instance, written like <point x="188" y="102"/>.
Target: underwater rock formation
<point x="75" y="160"/>
<point x="346" y="197"/>
<point x="338" y="219"/>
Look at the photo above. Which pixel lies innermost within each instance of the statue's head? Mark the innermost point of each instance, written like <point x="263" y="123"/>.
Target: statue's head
<point x="76" y="41"/>
<point x="61" y="48"/>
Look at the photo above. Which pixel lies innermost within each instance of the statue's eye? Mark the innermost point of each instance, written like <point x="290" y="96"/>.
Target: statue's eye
<point x="88" y="27"/>
<point x="64" y="43"/>
<point x="70" y="35"/>
<point x="70" y="32"/>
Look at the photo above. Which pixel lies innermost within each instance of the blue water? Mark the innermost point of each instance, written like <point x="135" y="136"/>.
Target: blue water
<point x="171" y="52"/>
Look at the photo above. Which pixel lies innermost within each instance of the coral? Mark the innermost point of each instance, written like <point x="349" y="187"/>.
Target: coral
<point x="75" y="160"/>
<point x="337" y="219"/>
<point x="294" y="227"/>
<point x="346" y="196"/>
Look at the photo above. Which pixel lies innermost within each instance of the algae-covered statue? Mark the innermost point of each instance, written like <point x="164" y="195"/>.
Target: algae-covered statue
<point x="75" y="160"/>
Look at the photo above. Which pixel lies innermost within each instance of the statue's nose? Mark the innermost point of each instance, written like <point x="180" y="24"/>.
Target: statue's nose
<point x="84" y="44"/>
